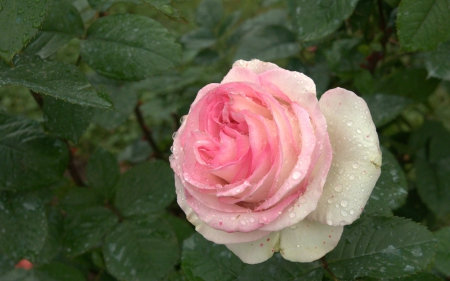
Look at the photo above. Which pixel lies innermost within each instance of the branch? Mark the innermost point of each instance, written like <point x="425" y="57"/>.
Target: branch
<point x="325" y="265"/>
<point x="147" y="133"/>
<point x="72" y="168"/>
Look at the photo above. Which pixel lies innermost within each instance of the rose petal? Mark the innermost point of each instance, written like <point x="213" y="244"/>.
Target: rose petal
<point x="307" y="202"/>
<point x="240" y="75"/>
<point x="356" y="158"/>
<point x="308" y="241"/>
<point x="255" y="65"/>
<point x="257" y="251"/>
<point x="214" y="235"/>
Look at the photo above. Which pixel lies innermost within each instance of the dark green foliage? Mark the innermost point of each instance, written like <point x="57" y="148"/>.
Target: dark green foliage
<point x="91" y="92"/>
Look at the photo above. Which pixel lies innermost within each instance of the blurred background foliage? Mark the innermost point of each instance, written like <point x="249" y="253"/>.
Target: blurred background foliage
<point x="395" y="54"/>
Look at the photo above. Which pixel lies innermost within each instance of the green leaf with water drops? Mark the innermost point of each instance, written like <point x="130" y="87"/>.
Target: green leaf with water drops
<point x="438" y="62"/>
<point x="85" y="229"/>
<point x="421" y="276"/>
<point x="165" y="7"/>
<point x="144" y="250"/>
<point x="30" y="158"/>
<point x="19" y="22"/>
<point x="53" y="241"/>
<point x="62" y="23"/>
<point x="59" y="80"/>
<point x="145" y="189"/>
<point x="277" y="268"/>
<point x="267" y="43"/>
<point x="129" y="47"/>
<point x="381" y="247"/>
<point x="103" y="172"/>
<point x="23" y="225"/>
<point x="442" y="259"/>
<point x="391" y="188"/>
<point x="205" y="260"/>
<point x="384" y="108"/>
<point x="66" y="120"/>
<point x="313" y="21"/>
<point x="422" y="25"/>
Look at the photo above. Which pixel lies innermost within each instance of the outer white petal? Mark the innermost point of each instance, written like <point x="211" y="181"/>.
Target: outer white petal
<point x="356" y="158"/>
<point x="257" y="251"/>
<point x="255" y="65"/>
<point x="214" y="235"/>
<point x="308" y="241"/>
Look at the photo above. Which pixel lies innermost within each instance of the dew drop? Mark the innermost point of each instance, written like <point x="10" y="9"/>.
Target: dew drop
<point x="292" y="215"/>
<point x="355" y="166"/>
<point x="296" y="175"/>
<point x="352" y="211"/>
<point x="349" y="123"/>
<point x="358" y="131"/>
<point x="351" y="177"/>
<point x="243" y="222"/>
<point x="344" y="203"/>
<point x="344" y="213"/>
<point x="338" y="188"/>
<point x="329" y="222"/>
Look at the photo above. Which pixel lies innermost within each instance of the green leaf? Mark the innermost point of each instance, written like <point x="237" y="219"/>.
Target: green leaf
<point x="272" y="17"/>
<point x="391" y="188"/>
<point x="6" y="264"/>
<point x="62" y="23"/>
<point x="103" y="172"/>
<point x="85" y="229"/>
<point x="165" y="7"/>
<point x="145" y="189"/>
<point x="411" y="83"/>
<point x="59" y="80"/>
<point x="199" y="38"/>
<point x="124" y="101"/>
<point x="129" y="47"/>
<point x="53" y="241"/>
<point x="381" y="247"/>
<point x="384" y="108"/>
<point x="438" y="62"/>
<point x="66" y="120"/>
<point x="277" y="268"/>
<point x="209" y="13"/>
<point x="23" y="225"/>
<point x="48" y="272"/>
<point x="421" y="276"/>
<point x="343" y="55"/>
<point x="79" y="198"/>
<point x="103" y="5"/>
<point x="183" y="229"/>
<point x="443" y="250"/>
<point x="422" y="25"/>
<point x="30" y="159"/>
<point x="19" y="22"/>
<point x="313" y="21"/>
<point x="433" y="184"/>
<point x="141" y="251"/>
<point x="205" y="260"/>
<point x="267" y="43"/>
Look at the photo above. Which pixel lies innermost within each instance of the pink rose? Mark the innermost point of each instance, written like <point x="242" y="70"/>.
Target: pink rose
<point x="262" y="166"/>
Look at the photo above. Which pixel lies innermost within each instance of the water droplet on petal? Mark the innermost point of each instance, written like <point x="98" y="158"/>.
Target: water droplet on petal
<point x="338" y="188"/>
<point x="349" y="123"/>
<point x="292" y="215"/>
<point x="296" y="175"/>
<point x="344" y="203"/>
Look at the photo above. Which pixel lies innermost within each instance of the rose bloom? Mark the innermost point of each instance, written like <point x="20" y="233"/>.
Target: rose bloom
<point x="262" y="166"/>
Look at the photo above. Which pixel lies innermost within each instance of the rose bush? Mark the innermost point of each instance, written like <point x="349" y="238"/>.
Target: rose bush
<point x="262" y="166"/>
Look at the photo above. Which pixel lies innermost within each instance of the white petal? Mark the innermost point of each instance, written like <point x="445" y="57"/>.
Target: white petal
<point x="255" y="65"/>
<point x="356" y="158"/>
<point x="257" y="251"/>
<point x="308" y="241"/>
